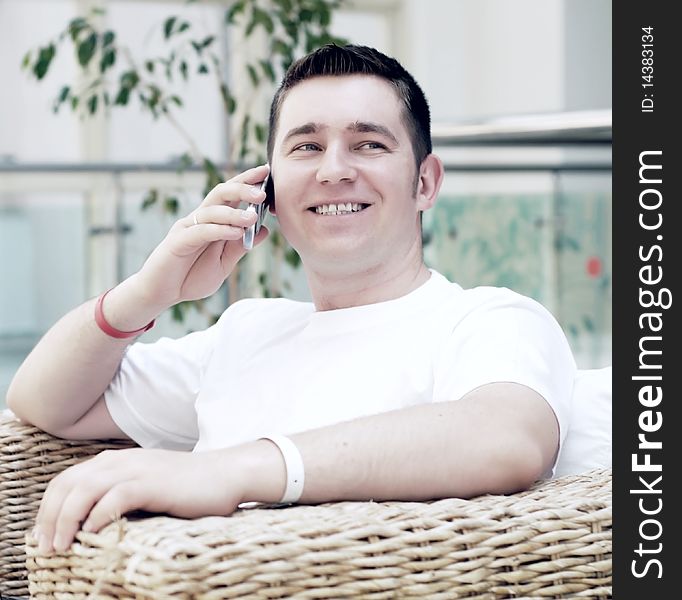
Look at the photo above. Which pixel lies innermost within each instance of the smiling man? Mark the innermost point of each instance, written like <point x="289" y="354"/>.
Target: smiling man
<point x="393" y="383"/>
<point x="352" y="189"/>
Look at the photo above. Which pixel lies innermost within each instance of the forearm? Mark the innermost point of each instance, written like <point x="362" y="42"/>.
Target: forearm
<point x="478" y="444"/>
<point x="71" y="366"/>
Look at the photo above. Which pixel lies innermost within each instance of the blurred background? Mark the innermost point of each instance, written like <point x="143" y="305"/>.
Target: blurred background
<point x="520" y="94"/>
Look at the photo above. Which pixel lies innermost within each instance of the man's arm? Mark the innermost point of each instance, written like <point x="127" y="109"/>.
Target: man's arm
<point x="59" y="386"/>
<point x="498" y="438"/>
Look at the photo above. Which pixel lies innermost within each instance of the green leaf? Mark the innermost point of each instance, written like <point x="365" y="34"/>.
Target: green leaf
<point x="129" y="79"/>
<point x="207" y="41"/>
<point x="63" y="94"/>
<point x="305" y="15"/>
<point x="178" y="312"/>
<point x="149" y="65"/>
<point x="108" y="59"/>
<point x="213" y="176"/>
<point x="176" y="100"/>
<point x="244" y="148"/>
<point x="324" y="15"/>
<point x="150" y="198"/>
<point x="588" y="323"/>
<point x="76" y="26"/>
<point x="168" y="26"/>
<point x="235" y="9"/>
<point x="86" y="49"/>
<point x="228" y="99"/>
<point x="184" y="162"/>
<point x="259" y="131"/>
<point x="202" y="69"/>
<point x="183" y="69"/>
<point x="61" y="98"/>
<point x="277" y="46"/>
<point x="74" y="102"/>
<point x="253" y="75"/>
<point x="285" y="4"/>
<point x="292" y="258"/>
<point x="292" y="31"/>
<point x="26" y="61"/>
<point x="263" y="18"/>
<point x="275" y="238"/>
<point x="268" y="69"/>
<point x="123" y="96"/>
<point x="45" y="56"/>
<point x="184" y="26"/>
<point x="92" y="104"/>
<point x="108" y="38"/>
<point x="171" y="205"/>
<point x="250" y="27"/>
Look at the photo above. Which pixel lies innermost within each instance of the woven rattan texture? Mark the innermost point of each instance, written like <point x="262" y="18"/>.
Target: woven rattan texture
<point x="29" y="458"/>
<point x="553" y="541"/>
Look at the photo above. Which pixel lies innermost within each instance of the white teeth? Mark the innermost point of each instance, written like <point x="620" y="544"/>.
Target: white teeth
<point x="340" y="209"/>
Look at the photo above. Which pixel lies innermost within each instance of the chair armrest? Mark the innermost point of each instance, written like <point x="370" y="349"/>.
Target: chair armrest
<point x="551" y="541"/>
<point x="29" y="459"/>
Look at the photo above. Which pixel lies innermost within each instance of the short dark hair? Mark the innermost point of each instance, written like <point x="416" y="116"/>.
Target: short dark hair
<point x="333" y="60"/>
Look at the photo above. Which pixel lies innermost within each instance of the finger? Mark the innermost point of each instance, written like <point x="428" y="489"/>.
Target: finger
<point x="234" y="252"/>
<point x="252" y="175"/>
<point x="51" y="504"/>
<point x="117" y="501"/>
<point x="75" y="508"/>
<point x="241" y="188"/>
<point x="210" y="232"/>
<point x="220" y="215"/>
<point x="233" y="193"/>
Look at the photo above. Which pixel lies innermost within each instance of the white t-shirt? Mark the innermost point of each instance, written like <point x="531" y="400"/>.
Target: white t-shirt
<point x="279" y="366"/>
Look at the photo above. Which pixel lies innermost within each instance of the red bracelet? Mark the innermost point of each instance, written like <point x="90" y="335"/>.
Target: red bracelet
<point x="112" y="331"/>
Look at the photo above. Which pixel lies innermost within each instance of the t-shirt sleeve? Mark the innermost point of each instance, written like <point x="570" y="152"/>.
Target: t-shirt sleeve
<point x="508" y="338"/>
<point x="152" y="397"/>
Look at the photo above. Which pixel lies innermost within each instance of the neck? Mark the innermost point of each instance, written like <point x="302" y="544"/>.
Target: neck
<point x="377" y="284"/>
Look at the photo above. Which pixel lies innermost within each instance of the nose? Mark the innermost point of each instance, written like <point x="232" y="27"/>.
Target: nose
<point x="335" y="166"/>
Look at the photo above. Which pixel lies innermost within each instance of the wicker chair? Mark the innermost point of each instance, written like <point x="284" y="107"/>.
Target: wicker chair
<point x="553" y="541"/>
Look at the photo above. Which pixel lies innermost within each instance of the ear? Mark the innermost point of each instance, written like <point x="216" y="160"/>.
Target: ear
<point x="431" y="174"/>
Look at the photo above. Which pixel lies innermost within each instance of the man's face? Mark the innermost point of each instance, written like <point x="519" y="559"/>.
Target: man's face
<point x="344" y="173"/>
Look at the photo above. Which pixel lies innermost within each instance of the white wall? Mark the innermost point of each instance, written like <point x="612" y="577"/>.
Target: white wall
<point x="29" y="131"/>
<point x="474" y="58"/>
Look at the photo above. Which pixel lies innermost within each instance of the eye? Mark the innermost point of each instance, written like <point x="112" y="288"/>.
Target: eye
<point x="372" y="146"/>
<point x="307" y="147"/>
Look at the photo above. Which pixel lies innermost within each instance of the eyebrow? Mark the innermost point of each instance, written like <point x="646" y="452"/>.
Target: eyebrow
<point x="356" y="127"/>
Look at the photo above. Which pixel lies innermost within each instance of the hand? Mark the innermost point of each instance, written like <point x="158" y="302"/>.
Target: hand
<point x="97" y="491"/>
<point x="194" y="260"/>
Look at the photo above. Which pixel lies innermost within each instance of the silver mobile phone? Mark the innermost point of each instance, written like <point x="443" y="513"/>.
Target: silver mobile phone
<point x="261" y="211"/>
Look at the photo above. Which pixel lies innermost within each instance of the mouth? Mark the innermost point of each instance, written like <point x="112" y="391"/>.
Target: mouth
<point x="347" y="208"/>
